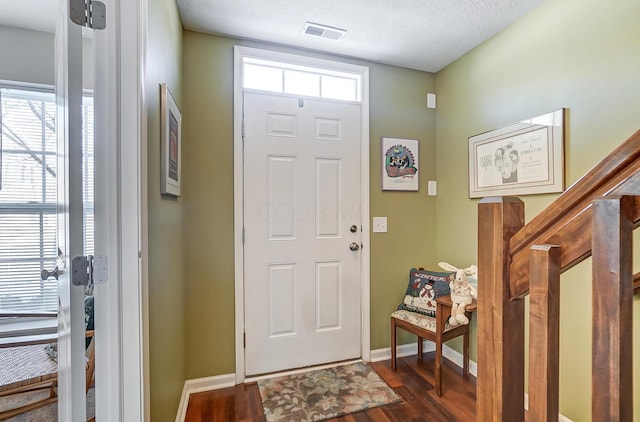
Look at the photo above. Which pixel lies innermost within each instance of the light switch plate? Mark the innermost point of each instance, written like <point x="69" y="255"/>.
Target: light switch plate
<point x="379" y="224"/>
<point x="432" y="188"/>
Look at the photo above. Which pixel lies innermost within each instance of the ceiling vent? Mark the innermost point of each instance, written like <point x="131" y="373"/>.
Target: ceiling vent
<point x="323" y="31"/>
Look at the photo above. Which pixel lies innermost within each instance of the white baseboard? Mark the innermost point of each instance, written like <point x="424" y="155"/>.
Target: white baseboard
<point x="427" y="346"/>
<point x="199" y="385"/>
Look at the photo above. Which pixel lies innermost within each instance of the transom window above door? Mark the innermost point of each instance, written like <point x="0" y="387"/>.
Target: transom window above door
<point x="278" y="77"/>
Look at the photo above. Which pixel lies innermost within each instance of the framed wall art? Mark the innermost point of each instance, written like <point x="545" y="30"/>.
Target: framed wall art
<point x="400" y="164"/>
<point x="171" y="143"/>
<point x="523" y="158"/>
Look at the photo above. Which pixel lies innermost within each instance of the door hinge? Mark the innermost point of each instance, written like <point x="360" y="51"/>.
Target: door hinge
<point x="89" y="13"/>
<point x="244" y="340"/>
<point x="243" y="235"/>
<point x="88" y="270"/>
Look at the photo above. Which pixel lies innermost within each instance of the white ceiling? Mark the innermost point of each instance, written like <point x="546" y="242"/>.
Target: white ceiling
<point x="417" y="34"/>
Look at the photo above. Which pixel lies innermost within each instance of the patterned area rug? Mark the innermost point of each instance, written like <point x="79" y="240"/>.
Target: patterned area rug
<point x="324" y="394"/>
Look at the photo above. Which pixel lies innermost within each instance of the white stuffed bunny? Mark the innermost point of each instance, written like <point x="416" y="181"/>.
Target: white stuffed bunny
<point x="462" y="292"/>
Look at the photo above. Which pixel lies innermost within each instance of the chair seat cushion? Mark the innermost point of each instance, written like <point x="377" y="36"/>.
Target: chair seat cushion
<point x="422" y="321"/>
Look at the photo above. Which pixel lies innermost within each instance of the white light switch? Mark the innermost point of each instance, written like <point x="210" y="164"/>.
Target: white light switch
<point x="379" y="224"/>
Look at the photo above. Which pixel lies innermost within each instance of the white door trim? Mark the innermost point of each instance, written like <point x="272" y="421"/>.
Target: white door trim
<point x="239" y="53"/>
<point x="121" y="213"/>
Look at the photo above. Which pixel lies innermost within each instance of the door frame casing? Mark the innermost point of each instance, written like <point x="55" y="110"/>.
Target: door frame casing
<point x="122" y="352"/>
<point x="241" y="52"/>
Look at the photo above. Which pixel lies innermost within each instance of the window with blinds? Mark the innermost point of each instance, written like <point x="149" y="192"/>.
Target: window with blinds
<point x="28" y="197"/>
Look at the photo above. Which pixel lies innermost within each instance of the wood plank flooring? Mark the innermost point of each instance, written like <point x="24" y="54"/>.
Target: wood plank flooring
<point x="413" y="382"/>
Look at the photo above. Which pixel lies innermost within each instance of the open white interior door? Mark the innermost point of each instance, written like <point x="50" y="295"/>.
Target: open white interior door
<point x="71" y="323"/>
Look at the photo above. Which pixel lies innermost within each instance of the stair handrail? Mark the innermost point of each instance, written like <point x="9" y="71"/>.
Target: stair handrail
<point x="618" y="173"/>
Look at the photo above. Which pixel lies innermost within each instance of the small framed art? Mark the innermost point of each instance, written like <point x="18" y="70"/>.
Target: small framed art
<point x="171" y="143"/>
<point x="399" y="164"/>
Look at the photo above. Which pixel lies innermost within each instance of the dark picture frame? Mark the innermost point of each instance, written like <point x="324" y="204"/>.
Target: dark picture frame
<point x="171" y="143"/>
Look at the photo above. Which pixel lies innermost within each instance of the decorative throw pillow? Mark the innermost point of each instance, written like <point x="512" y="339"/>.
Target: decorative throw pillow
<point x="423" y="289"/>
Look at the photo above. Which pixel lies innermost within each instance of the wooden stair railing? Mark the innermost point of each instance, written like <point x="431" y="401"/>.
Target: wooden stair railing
<point x="594" y="217"/>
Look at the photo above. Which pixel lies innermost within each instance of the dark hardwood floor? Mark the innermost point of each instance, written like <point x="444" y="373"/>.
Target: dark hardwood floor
<point x="413" y="382"/>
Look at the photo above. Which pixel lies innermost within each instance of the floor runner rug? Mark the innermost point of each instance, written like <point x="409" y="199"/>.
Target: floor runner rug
<point x="323" y="394"/>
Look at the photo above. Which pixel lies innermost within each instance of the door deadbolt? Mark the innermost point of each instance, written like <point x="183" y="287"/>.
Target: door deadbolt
<point x="353" y="228"/>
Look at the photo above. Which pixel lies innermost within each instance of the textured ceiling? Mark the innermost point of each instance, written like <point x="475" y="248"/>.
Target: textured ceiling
<point x="418" y="34"/>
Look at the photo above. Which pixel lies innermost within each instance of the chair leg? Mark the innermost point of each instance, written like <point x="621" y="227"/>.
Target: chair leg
<point x="438" y="368"/>
<point x="465" y="355"/>
<point x="420" y="347"/>
<point x="393" y="344"/>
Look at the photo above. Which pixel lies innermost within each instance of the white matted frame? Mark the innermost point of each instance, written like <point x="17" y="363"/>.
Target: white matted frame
<point x="171" y="147"/>
<point x="523" y="158"/>
<point x="400" y="164"/>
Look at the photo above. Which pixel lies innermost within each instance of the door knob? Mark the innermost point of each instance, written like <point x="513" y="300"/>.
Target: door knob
<point x="354" y="246"/>
<point x="44" y="274"/>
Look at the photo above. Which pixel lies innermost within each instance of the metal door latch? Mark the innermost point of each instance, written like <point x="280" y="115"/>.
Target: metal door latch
<point x="89" y="269"/>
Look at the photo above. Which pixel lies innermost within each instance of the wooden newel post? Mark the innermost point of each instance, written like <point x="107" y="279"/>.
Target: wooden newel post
<point x="500" y="390"/>
<point x="612" y="359"/>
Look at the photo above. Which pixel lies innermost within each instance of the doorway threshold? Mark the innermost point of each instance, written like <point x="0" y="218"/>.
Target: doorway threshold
<point x="301" y="370"/>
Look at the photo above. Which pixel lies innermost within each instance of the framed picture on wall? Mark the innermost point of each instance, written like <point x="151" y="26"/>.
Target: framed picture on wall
<point x="523" y="158"/>
<point x="171" y="143"/>
<point x="400" y="164"/>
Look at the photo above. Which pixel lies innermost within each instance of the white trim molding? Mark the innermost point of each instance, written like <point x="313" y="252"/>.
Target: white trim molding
<point x="199" y="385"/>
<point x="121" y="220"/>
<point x="428" y="346"/>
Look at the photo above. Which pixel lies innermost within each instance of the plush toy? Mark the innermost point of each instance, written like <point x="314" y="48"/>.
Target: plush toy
<point x="462" y="292"/>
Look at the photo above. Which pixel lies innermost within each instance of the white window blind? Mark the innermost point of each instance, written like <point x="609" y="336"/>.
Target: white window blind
<point x="28" y="197"/>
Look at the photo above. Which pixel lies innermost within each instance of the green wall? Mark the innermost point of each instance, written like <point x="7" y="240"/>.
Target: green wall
<point x="582" y="55"/>
<point x="166" y="270"/>
<point x="397" y="108"/>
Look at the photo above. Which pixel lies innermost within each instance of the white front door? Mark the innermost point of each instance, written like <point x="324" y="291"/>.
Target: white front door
<point x="71" y="311"/>
<point x="303" y="230"/>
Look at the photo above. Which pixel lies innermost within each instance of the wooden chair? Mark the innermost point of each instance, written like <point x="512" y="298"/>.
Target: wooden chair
<point x="25" y="367"/>
<point x="436" y="329"/>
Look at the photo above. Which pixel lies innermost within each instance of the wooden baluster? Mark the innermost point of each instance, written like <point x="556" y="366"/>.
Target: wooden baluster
<point x="500" y="391"/>
<point x="544" y="332"/>
<point x="612" y="360"/>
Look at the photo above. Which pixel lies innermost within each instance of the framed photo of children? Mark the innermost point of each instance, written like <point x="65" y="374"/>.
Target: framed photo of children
<point x="400" y="164"/>
<point x="171" y="143"/>
<point x="523" y="158"/>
